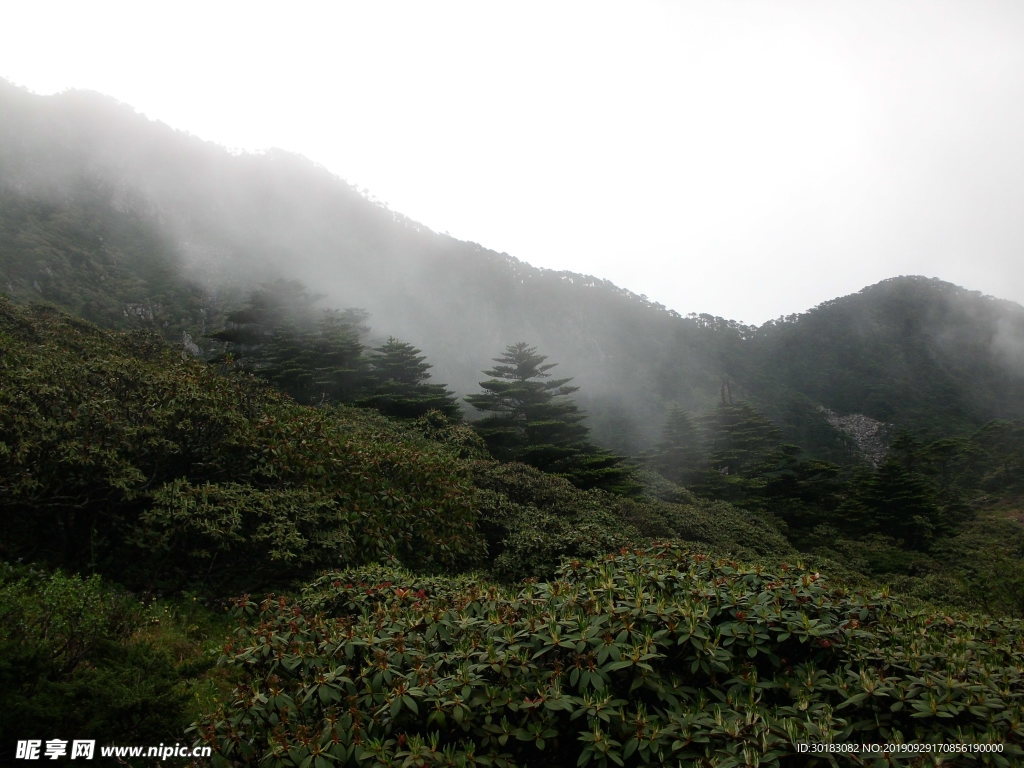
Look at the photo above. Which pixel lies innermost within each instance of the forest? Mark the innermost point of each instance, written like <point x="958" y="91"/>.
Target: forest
<point x="287" y="475"/>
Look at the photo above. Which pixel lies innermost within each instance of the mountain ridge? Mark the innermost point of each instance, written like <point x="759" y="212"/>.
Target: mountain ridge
<point x="213" y="224"/>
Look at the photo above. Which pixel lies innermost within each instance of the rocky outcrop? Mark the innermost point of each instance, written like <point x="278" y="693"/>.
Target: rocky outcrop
<point x="869" y="435"/>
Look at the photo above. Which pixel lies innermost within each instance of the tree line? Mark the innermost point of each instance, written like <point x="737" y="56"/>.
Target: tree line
<point x="322" y="358"/>
<point x="916" y="496"/>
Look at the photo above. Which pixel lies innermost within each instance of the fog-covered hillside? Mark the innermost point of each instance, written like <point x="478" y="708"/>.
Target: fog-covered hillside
<point x="127" y="221"/>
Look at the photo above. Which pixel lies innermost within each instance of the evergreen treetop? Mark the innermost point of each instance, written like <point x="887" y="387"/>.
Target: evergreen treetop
<point x="398" y="381"/>
<point x="533" y="421"/>
<point x="678" y="454"/>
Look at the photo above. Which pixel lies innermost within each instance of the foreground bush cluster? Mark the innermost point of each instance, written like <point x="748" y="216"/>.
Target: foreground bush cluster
<point x="72" y="663"/>
<point x="644" y="658"/>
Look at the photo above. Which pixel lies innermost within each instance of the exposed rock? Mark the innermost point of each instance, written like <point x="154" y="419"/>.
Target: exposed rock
<point x="141" y="311"/>
<point x="869" y="435"/>
<point x="188" y="346"/>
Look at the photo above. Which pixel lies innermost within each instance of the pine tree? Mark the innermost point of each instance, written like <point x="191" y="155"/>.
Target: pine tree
<point x="739" y="438"/>
<point x="739" y="441"/>
<point x="267" y="310"/>
<point x="900" y="503"/>
<point x="336" y="360"/>
<point x="678" y="455"/>
<point x="534" y="421"/>
<point x="398" y="382"/>
<point x="801" y="490"/>
<point x="279" y="338"/>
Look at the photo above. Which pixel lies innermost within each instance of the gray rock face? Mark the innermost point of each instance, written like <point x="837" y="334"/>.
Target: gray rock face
<point x="141" y="311"/>
<point x="189" y="347"/>
<point x="870" y="435"/>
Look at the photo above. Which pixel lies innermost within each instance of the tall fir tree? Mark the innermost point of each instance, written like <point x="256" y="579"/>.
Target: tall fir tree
<point x="398" y="384"/>
<point x="337" y="361"/>
<point x="678" y="455"/>
<point x="533" y="421"/>
<point x="738" y="440"/>
<point x="898" y="502"/>
<point x="278" y="337"/>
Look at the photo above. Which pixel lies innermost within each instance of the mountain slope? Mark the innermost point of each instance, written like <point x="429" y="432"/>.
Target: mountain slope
<point x="236" y="220"/>
<point x="119" y="456"/>
<point x="126" y="221"/>
<point x="917" y="352"/>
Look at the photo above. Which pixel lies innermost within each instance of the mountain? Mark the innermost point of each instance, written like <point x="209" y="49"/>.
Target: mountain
<point x="919" y="352"/>
<point x="128" y="222"/>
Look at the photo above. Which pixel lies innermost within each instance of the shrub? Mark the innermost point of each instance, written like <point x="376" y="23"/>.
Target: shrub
<point x="163" y="474"/>
<point x="70" y="666"/>
<point x="642" y="658"/>
<point x="532" y="521"/>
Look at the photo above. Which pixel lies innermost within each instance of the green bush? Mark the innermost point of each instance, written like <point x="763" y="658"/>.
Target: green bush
<point x="118" y="456"/>
<point x="532" y="521"/>
<point x="643" y="658"/>
<point x="71" y="666"/>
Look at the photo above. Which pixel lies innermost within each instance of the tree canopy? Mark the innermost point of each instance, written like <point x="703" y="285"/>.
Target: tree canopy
<point x="534" y="421"/>
<point x="398" y="380"/>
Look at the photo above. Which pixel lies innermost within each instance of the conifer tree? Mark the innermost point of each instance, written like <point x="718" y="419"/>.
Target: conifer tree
<point x="739" y="438"/>
<point x="900" y="503"/>
<point x="398" y="382"/>
<point x="339" y="369"/>
<point x="279" y="338"/>
<point x="678" y="455"/>
<point x="898" y="499"/>
<point x="268" y="309"/>
<point x="533" y="421"/>
<point x="739" y="441"/>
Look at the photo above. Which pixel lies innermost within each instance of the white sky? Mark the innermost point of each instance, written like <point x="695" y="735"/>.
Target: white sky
<point x="748" y="158"/>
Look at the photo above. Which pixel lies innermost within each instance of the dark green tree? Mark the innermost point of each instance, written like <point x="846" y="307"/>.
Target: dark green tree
<point x="267" y="309"/>
<point x="337" y="362"/>
<point x="315" y="359"/>
<point x="1000" y="455"/>
<point x="398" y="382"/>
<point x="801" y="490"/>
<point x="900" y="503"/>
<point x="678" y="455"/>
<point x="739" y="441"/>
<point x="534" y="421"/>
<point x="739" y="438"/>
<point x="898" y="499"/>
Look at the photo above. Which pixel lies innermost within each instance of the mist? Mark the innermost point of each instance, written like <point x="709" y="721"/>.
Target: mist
<point x="230" y="221"/>
<point x="743" y="160"/>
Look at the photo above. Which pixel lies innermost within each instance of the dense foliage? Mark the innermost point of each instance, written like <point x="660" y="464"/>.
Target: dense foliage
<point x="917" y="352"/>
<point x="399" y="384"/>
<point x="644" y="658"/>
<point x="532" y="521"/>
<point x="112" y="267"/>
<point x="878" y="433"/>
<point x="72" y="666"/>
<point x="119" y="456"/>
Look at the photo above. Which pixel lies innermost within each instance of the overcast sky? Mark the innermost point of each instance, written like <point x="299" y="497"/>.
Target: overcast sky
<point x="748" y="158"/>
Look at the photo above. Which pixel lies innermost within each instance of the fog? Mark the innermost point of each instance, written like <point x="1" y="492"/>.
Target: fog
<point x="231" y="221"/>
<point x="749" y="160"/>
<point x="602" y="174"/>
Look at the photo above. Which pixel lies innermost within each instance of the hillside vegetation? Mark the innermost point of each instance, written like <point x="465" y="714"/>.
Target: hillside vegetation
<point x="119" y="455"/>
<point x="651" y="657"/>
<point x="122" y="458"/>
